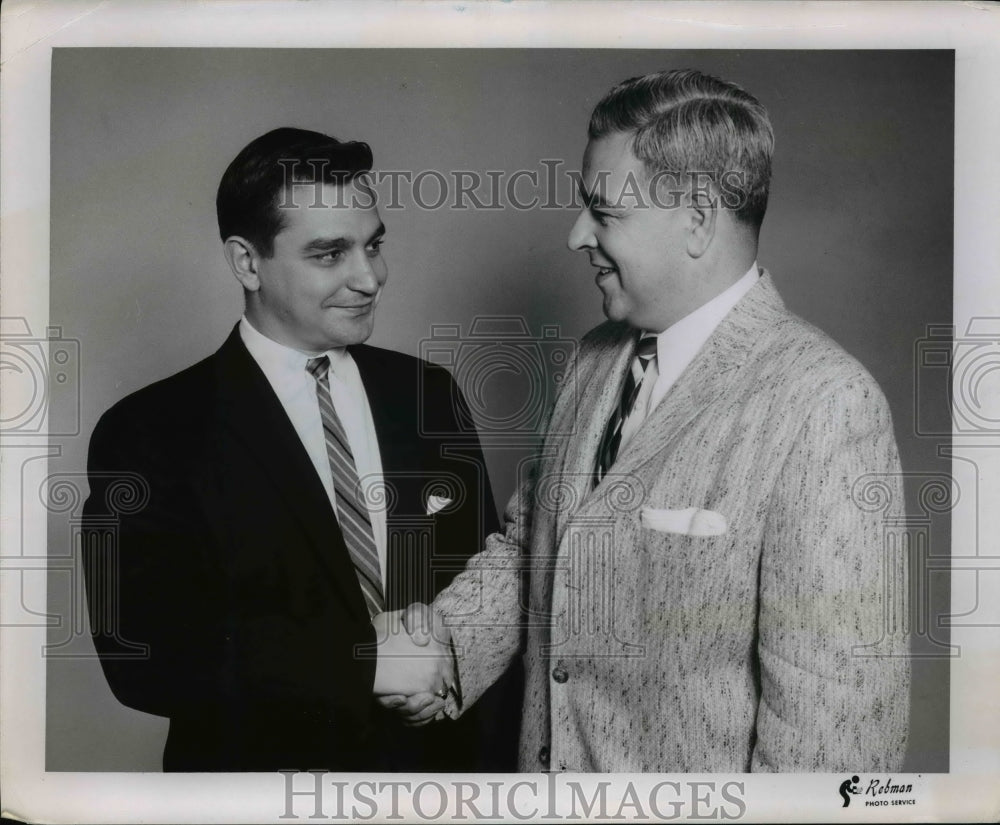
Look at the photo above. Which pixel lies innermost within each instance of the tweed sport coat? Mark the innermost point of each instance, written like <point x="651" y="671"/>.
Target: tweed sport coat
<point x="648" y="647"/>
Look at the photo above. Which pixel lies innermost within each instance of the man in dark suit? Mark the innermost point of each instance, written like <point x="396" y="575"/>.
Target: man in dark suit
<point x="291" y="492"/>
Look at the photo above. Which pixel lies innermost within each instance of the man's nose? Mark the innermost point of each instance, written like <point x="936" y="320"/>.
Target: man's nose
<point x="581" y="236"/>
<point x="365" y="275"/>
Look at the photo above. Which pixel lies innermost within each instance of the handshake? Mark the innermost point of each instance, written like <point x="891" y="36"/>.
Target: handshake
<point x="414" y="674"/>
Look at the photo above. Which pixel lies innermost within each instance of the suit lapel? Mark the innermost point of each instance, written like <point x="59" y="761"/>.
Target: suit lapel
<point x="392" y="399"/>
<point x="598" y="391"/>
<point x="248" y="407"/>
<point x="393" y="396"/>
<point x="388" y="400"/>
<point x="705" y="379"/>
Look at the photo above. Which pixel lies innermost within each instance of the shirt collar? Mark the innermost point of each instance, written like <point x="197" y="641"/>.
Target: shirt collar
<point x="280" y="362"/>
<point x="688" y="335"/>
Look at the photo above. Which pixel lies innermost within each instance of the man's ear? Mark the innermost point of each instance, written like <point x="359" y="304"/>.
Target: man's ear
<point x="703" y="205"/>
<point x="244" y="261"/>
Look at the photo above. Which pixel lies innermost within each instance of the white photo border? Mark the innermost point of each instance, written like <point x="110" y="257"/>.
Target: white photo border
<point x="31" y="30"/>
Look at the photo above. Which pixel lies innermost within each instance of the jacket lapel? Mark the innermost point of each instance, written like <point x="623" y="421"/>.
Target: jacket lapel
<point x="705" y="379"/>
<point x="387" y="395"/>
<point x="393" y="398"/>
<point x="248" y="407"/>
<point x="598" y="391"/>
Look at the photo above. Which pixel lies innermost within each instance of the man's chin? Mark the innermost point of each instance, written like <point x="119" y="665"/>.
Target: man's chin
<point x="360" y="336"/>
<point x="612" y="310"/>
<point x="349" y="335"/>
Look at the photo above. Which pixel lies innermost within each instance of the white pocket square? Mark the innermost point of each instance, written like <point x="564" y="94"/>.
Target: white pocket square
<point x="436" y="504"/>
<point x="690" y="521"/>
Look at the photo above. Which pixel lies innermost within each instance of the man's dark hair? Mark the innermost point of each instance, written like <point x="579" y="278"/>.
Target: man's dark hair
<point x="686" y="121"/>
<point x="249" y="192"/>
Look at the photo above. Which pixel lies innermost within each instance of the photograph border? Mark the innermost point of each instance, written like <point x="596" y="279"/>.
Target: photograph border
<point x="32" y="30"/>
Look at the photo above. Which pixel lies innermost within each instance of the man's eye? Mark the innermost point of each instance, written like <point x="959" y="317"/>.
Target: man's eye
<point x="375" y="247"/>
<point x="329" y="257"/>
<point x="601" y="217"/>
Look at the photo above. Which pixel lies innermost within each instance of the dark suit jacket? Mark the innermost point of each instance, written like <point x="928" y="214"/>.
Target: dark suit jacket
<point x="212" y="551"/>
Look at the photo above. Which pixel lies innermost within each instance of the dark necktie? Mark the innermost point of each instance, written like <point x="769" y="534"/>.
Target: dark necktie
<point x="645" y="352"/>
<point x="352" y="511"/>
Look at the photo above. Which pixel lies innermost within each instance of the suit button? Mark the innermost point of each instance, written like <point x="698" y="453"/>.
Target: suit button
<point x="560" y="675"/>
<point x="543" y="756"/>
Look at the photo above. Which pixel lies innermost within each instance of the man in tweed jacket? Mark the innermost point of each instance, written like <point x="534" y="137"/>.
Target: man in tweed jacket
<point x="707" y="564"/>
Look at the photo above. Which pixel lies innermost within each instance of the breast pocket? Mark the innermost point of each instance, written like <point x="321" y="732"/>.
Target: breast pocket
<point x="688" y="521"/>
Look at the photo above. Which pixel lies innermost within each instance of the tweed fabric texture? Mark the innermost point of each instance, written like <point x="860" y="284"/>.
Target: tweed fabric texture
<point x="663" y="652"/>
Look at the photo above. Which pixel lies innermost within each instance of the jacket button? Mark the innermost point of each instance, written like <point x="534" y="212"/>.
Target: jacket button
<point x="560" y="675"/>
<point x="543" y="756"/>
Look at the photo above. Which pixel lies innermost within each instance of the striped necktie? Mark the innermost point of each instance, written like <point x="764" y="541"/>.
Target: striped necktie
<point x="645" y="352"/>
<point x="352" y="511"/>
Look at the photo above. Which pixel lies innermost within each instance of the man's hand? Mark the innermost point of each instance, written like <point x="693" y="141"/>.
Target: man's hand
<point x="425" y="625"/>
<point x="416" y="710"/>
<point x="428" y="639"/>
<point x="406" y="666"/>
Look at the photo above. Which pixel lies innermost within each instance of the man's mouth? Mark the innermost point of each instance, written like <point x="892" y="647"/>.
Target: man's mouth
<point x="603" y="270"/>
<point x="358" y="309"/>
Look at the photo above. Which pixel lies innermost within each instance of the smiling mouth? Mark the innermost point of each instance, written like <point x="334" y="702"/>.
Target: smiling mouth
<point x="602" y="268"/>
<point x="353" y="307"/>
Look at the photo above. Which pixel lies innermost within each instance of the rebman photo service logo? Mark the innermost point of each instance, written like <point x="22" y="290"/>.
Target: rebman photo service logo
<point x="876" y="792"/>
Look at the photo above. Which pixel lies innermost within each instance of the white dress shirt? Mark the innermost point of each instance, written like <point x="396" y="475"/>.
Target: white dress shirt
<point x="285" y="369"/>
<point x="677" y="346"/>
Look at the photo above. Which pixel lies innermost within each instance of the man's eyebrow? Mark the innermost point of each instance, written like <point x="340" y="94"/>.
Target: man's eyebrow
<point x="328" y="245"/>
<point x="593" y="200"/>
<point x="339" y="244"/>
<point x="378" y="233"/>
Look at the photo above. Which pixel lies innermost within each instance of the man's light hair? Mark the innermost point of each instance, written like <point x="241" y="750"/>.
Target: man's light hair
<point x="688" y="122"/>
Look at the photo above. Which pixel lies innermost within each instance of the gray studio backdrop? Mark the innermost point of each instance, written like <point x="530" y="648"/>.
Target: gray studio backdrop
<point x="858" y="238"/>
